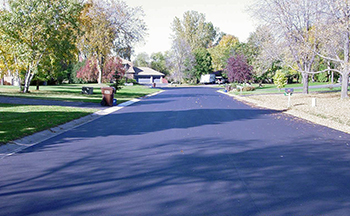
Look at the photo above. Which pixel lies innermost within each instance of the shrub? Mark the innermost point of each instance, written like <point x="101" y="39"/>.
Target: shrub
<point x="133" y="81"/>
<point x="248" y="88"/>
<point x="280" y="79"/>
<point x="238" y="69"/>
<point x="322" y="77"/>
<point x="73" y="76"/>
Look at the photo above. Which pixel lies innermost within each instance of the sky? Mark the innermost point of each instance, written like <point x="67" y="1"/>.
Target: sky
<point x="229" y="16"/>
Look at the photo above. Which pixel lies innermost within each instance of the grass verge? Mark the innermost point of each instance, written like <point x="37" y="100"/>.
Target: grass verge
<point x="17" y="121"/>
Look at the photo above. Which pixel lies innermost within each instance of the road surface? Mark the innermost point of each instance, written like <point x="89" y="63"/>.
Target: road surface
<point x="186" y="151"/>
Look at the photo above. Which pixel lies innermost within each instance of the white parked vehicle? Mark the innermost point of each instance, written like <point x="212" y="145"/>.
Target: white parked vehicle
<point x="207" y="79"/>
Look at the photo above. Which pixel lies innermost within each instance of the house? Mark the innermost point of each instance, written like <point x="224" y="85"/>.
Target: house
<point x="145" y="75"/>
<point x="142" y="75"/>
<point x="9" y="80"/>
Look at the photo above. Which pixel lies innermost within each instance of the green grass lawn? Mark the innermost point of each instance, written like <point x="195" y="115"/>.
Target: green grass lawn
<point x="72" y="92"/>
<point x="272" y="89"/>
<point x="17" y="121"/>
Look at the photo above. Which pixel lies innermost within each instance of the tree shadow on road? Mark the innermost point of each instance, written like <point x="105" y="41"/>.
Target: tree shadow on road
<point x="198" y="177"/>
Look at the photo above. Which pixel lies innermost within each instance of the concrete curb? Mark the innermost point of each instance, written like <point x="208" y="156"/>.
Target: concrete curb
<point x="18" y="145"/>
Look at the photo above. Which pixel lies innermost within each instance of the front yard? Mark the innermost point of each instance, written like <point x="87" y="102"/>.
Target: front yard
<point x="72" y="92"/>
<point x="330" y="110"/>
<point x="17" y="121"/>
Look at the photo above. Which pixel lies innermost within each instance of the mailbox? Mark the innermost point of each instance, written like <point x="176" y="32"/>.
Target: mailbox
<point x="289" y="90"/>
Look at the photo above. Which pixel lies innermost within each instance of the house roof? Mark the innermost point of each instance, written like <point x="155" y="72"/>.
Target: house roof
<point x="131" y="70"/>
<point x="125" y="61"/>
<point x="144" y="71"/>
<point x="149" y="71"/>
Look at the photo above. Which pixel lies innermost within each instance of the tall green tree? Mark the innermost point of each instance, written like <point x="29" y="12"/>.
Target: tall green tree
<point x="194" y="29"/>
<point x="142" y="60"/>
<point x="99" y="34"/>
<point x="110" y="25"/>
<point x="226" y="47"/>
<point x="34" y="30"/>
<point x="158" y="63"/>
<point x="203" y="63"/>
<point x="191" y="33"/>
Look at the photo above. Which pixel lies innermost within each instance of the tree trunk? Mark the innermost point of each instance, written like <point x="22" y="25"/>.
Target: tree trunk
<point x="37" y="85"/>
<point x="345" y="85"/>
<point x="27" y="80"/>
<point x="345" y="74"/>
<point x="98" y="62"/>
<point x="19" y="80"/>
<point x="332" y="77"/>
<point x="305" y="83"/>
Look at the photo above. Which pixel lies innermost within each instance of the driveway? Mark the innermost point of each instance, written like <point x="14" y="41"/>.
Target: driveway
<point x="186" y="151"/>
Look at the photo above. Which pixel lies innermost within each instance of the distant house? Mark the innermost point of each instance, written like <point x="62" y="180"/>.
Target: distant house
<point x="9" y="80"/>
<point x="142" y="75"/>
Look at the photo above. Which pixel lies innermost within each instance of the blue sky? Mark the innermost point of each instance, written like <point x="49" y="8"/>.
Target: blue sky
<point x="229" y="15"/>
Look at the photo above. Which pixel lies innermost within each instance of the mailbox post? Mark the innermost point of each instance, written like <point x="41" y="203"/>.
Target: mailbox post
<point x="289" y="92"/>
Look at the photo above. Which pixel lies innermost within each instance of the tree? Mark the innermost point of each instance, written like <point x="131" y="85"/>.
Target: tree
<point x="181" y="60"/>
<point x="99" y="34"/>
<point x="222" y="52"/>
<point x="280" y="79"/>
<point x="291" y="23"/>
<point x="335" y="38"/>
<point x="115" y="72"/>
<point x="142" y="60"/>
<point x="34" y="30"/>
<point x="8" y="60"/>
<point x="203" y="63"/>
<point x="190" y="34"/>
<point x="158" y="63"/>
<point x="110" y="25"/>
<point x="194" y="29"/>
<point x="130" y="27"/>
<point x="238" y="70"/>
<point x="261" y="53"/>
<point x="90" y="73"/>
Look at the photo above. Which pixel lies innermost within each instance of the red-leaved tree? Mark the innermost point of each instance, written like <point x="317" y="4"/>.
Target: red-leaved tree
<point x="112" y="66"/>
<point x="238" y="69"/>
<point x="89" y="72"/>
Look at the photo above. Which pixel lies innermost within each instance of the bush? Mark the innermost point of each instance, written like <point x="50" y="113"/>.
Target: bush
<point x="248" y="88"/>
<point x="73" y="76"/>
<point x="322" y="77"/>
<point x="133" y="81"/>
<point x="280" y="79"/>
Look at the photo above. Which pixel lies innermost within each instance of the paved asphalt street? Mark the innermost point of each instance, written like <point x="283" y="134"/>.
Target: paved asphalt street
<point x="186" y="151"/>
